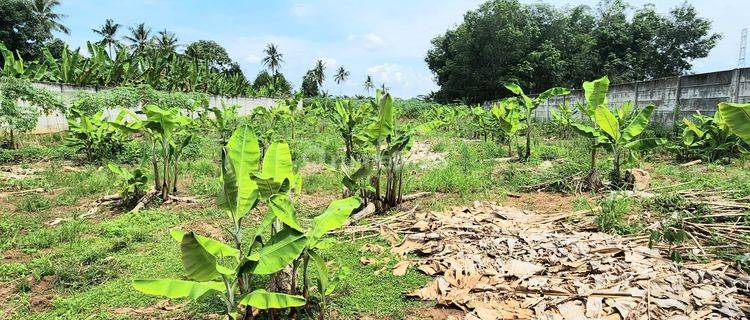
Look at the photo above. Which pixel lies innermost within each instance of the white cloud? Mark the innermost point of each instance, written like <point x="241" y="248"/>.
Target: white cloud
<point x="403" y="80"/>
<point x="368" y="41"/>
<point x="252" y="58"/>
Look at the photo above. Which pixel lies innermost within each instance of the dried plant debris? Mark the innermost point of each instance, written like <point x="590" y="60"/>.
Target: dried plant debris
<point x="498" y="262"/>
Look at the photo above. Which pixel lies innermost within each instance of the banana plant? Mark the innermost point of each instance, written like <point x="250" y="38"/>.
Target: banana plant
<point x="562" y="117"/>
<point x="93" y="135"/>
<point x="223" y="120"/>
<point x="389" y="144"/>
<point x="595" y="94"/>
<point x="169" y="132"/>
<point x="707" y="137"/>
<point x="507" y="114"/>
<point x="349" y="119"/>
<point x="530" y="105"/>
<point x="737" y="117"/>
<point x="208" y="262"/>
<point x="14" y="66"/>
<point x="132" y="184"/>
<point x="621" y="130"/>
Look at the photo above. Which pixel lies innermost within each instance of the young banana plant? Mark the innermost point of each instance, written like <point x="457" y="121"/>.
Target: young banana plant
<point x="531" y="105"/>
<point x="349" y="118"/>
<point x="595" y="94"/>
<point x="389" y="144"/>
<point x="215" y="267"/>
<point x="507" y="114"/>
<point x="168" y="131"/>
<point x="132" y="184"/>
<point x="562" y="116"/>
<point x="621" y="131"/>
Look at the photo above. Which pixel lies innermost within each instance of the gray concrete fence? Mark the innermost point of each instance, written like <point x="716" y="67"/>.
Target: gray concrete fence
<point x="56" y="121"/>
<point x="674" y="97"/>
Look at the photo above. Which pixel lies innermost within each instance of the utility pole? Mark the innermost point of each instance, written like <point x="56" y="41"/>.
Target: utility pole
<point x="743" y="47"/>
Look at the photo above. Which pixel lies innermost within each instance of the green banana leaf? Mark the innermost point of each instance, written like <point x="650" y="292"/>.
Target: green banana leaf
<point x="172" y="288"/>
<point x="737" y="117"/>
<point x="333" y="217"/>
<point x="262" y="299"/>
<point x="607" y="122"/>
<point x="277" y="253"/>
<point x="199" y="264"/>
<point x="283" y="209"/>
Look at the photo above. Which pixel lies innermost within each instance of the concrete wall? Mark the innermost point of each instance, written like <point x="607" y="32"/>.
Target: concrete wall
<point x="56" y="122"/>
<point x="684" y="95"/>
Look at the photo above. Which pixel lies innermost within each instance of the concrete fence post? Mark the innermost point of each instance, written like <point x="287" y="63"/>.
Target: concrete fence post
<point x="734" y="86"/>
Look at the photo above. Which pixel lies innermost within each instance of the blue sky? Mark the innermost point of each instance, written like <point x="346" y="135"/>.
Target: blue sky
<point x="387" y="39"/>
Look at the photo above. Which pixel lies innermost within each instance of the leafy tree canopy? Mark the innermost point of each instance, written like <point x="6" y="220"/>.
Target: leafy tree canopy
<point x="310" y="84"/>
<point x="541" y="46"/>
<point x="209" y="51"/>
<point x="21" y="29"/>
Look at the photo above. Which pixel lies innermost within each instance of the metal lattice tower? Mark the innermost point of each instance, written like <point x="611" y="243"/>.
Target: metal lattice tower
<point x="743" y="47"/>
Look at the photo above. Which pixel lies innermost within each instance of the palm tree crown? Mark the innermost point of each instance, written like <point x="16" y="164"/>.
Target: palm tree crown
<point x="139" y="37"/>
<point x="273" y="58"/>
<point x="108" y="32"/>
<point x="166" y="41"/>
<point x="44" y="10"/>
<point x="319" y="72"/>
<point x="368" y="85"/>
<point x="341" y="75"/>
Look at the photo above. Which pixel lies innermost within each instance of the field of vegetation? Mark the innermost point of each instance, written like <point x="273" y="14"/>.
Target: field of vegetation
<point x="336" y="208"/>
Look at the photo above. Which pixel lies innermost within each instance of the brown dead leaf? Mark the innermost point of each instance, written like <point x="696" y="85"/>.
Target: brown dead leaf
<point x="521" y="269"/>
<point x="400" y="268"/>
<point x="374" y="248"/>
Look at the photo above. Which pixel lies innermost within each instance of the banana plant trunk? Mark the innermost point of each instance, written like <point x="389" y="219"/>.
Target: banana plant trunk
<point x="527" y="155"/>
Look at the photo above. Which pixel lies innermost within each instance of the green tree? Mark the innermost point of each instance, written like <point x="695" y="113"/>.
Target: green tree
<point x="139" y="38"/>
<point x="21" y="30"/>
<point x="166" y="41"/>
<point x="340" y="76"/>
<point x="540" y="46"/>
<point x="45" y="12"/>
<point x="211" y="52"/>
<point x="108" y="32"/>
<point x="319" y="72"/>
<point x="273" y="58"/>
<point x="310" y="84"/>
<point x="279" y="84"/>
<point x="368" y="85"/>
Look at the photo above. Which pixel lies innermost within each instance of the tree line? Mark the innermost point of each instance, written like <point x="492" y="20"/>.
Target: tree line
<point x="540" y="46"/>
<point x="139" y="56"/>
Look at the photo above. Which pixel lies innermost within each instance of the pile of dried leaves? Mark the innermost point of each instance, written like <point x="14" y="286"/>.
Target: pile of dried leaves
<point x="499" y="262"/>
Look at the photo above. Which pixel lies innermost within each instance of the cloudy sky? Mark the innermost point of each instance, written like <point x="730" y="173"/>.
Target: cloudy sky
<point x="387" y="39"/>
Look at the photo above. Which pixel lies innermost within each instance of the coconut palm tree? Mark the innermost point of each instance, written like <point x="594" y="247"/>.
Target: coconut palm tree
<point x="166" y="41"/>
<point x="319" y="71"/>
<point x="341" y="75"/>
<point x="139" y="37"/>
<point x="273" y="59"/>
<point x="368" y="85"/>
<point x="45" y="11"/>
<point x="384" y="88"/>
<point x="108" y="32"/>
